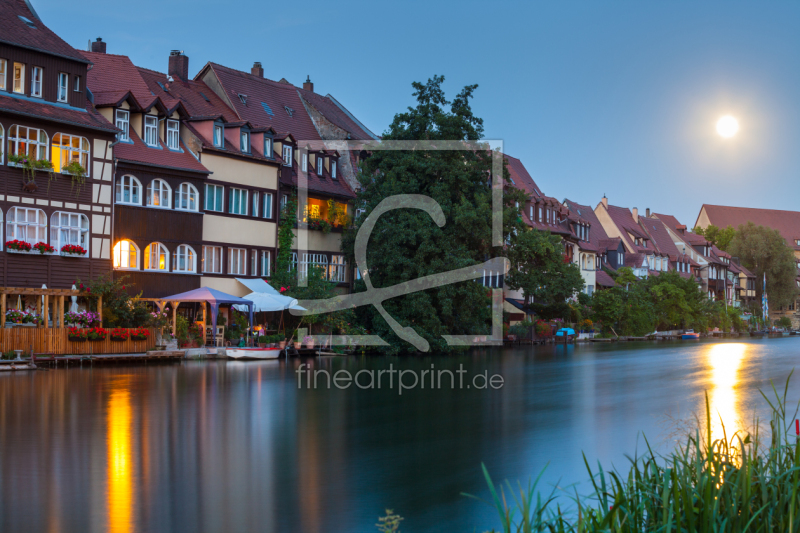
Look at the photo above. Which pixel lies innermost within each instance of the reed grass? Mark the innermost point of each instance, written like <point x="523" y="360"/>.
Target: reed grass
<point x="742" y="483"/>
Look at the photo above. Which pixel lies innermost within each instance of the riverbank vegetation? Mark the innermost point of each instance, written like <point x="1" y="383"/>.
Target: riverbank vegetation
<point x="721" y="483"/>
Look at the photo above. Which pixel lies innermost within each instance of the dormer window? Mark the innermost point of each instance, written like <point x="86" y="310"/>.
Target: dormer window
<point x="123" y="123"/>
<point x="151" y="130"/>
<point x="19" y="78"/>
<point x="3" y="78"/>
<point x="245" y="141"/>
<point x="268" y="147"/>
<point x="319" y="165"/>
<point x="173" y="134"/>
<point x="77" y="85"/>
<point x="63" y="84"/>
<point x="304" y="162"/>
<point x="36" y="82"/>
<point x="218" y="136"/>
<point x="333" y="169"/>
<point x="287" y="155"/>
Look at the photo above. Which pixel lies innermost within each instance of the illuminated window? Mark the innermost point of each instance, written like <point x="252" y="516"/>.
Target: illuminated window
<point x="3" y="68"/>
<point x="212" y="259"/>
<point x="156" y="257"/>
<point x="126" y="255"/>
<point x="129" y="191"/>
<point x="187" y="198"/>
<point x="158" y="194"/>
<point x="26" y="224"/>
<point x="19" y="78"/>
<point x="185" y="259"/>
<point x="337" y="269"/>
<point x="29" y="142"/>
<point x="69" y="228"/>
<point x="70" y="149"/>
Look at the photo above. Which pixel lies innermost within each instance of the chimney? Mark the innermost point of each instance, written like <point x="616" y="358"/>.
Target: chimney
<point x="178" y="65"/>
<point x="635" y="215"/>
<point x="257" y="69"/>
<point x="99" y="46"/>
<point x="307" y="85"/>
<point x="604" y="201"/>
<point x="647" y="213"/>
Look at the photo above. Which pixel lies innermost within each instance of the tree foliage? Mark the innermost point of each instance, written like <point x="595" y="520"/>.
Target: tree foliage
<point x="764" y="251"/>
<point x="721" y="238"/>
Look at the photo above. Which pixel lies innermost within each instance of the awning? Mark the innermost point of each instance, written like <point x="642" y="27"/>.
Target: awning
<point x="265" y="298"/>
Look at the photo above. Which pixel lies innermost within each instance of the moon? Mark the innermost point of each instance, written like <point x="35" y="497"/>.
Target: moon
<point x="727" y="126"/>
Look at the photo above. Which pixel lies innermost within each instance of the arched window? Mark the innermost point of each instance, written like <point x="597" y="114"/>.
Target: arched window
<point x="185" y="259"/>
<point x="70" y="149"/>
<point x="129" y="191"/>
<point x="187" y="198"/>
<point x="158" y="194"/>
<point x="156" y="257"/>
<point x="26" y="224"/>
<point x="126" y="255"/>
<point x="69" y="228"/>
<point x="29" y="142"/>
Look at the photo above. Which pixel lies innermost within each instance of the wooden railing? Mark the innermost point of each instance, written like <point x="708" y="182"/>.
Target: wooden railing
<point x="55" y="341"/>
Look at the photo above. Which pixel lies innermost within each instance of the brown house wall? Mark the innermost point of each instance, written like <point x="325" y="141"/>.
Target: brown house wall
<point x="52" y="66"/>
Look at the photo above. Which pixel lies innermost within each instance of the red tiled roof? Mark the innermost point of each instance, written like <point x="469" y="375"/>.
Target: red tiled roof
<point x="191" y="94"/>
<point x="596" y="232"/>
<point x="335" y="112"/>
<point x="786" y="222"/>
<point x="40" y="37"/>
<point x="87" y="118"/>
<point x="114" y="75"/>
<point x="634" y="260"/>
<point x="660" y="235"/>
<point x="138" y="152"/>
<point x="324" y="185"/>
<point x="278" y="97"/>
<point x="520" y="177"/>
<point x="602" y="278"/>
<point x="672" y="223"/>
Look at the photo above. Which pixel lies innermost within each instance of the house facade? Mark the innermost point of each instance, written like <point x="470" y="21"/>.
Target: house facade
<point x="47" y="117"/>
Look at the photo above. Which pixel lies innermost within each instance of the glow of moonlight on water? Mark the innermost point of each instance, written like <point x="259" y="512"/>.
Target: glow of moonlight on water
<point x="727" y="126"/>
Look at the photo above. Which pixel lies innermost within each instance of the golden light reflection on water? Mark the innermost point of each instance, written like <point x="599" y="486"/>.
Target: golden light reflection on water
<point x="120" y="462"/>
<point x="724" y="361"/>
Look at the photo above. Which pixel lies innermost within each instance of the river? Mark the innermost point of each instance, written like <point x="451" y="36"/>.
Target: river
<point x="212" y="446"/>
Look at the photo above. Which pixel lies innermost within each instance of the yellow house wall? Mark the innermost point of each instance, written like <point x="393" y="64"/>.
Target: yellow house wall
<point x="608" y="225"/>
<point x="318" y="241"/>
<point x="702" y="219"/>
<point x="241" y="172"/>
<point x="238" y="231"/>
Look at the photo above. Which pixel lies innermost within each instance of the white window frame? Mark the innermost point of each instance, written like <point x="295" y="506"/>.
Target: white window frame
<point x="237" y="201"/>
<point x="320" y="166"/>
<point x="237" y="261"/>
<point x="287" y="155"/>
<point x="158" y="249"/>
<point x="18" y="84"/>
<point x="70" y="152"/>
<point x="184" y="254"/>
<point x="69" y="228"/>
<point x="255" y="210"/>
<point x="219" y="136"/>
<point x="151" y="130"/>
<point x="131" y="247"/>
<point x="214" y="189"/>
<point x="187" y="195"/>
<point x="173" y="134"/>
<point x="268" y="147"/>
<point x="37" y="75"/>
<point x="244" y="141"/>
<point x="266" y="263"/>
<point x="333" y="169"/>
<point x="3" y="74"/>
<point x="63" y="87"/>
<point x="304" y="162"/>
<point x="212" y="255"/>
<point x="163" y="192"/>
<point x="18" y="140"/>
<point x="307" y="259"/>
<point x="267" y="204"/>
<point x="76" y="84"/>
<point x="337" y="269"/>
<point x="32" y="219"/>
<point x="132" y="186"/>
<point x="254" y="263"/>
<point x="122" y="118"/>
<point x="284" y="201"/>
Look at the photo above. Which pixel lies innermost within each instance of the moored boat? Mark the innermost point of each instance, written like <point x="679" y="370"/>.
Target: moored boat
<point x="253" y="353"/>
<point x="690" y="334"/>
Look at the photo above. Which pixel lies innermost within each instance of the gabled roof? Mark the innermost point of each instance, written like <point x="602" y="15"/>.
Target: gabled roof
<point x="520" y="177"/>
<point x="660" y="234"/>
<point x="681" y="230"/>
<point x="35" y="36"/>
<point x="87" y="118"/>
<point x="602" y="278"/>
<point x="112" y="76"/>
<point x="623" y="219"/>
<point x="596" y="231"/>
<point x="200" y="102"/>
<point x="138" y="152"/>
<point x="284" y="110"/>
<point x="786" y="222"/>
<point x="332" y="110"/>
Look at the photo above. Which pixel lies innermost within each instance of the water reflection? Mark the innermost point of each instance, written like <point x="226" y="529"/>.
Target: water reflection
<point x="724" y="361"/>
<point x="120" y="460"/>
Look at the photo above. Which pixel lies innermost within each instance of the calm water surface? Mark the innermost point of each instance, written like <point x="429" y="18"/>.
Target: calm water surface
<point x="237" y="447"/>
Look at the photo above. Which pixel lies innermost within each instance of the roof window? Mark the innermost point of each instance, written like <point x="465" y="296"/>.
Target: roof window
<point x="27" y="21"/>
<point x="267" y="109"/>
<point x="204" y="96"/>
<point x="289" y="110"/>
<point x="243" y="98"/>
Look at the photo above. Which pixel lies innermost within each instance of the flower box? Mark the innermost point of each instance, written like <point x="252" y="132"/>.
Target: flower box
<point x="43" y="248"/>
<point x="72" y="250"/>
<point x="97" y="334"/>
<point x="77" y="335"/>
<point x="139" y="334"/>
<point x="119" y="334"/>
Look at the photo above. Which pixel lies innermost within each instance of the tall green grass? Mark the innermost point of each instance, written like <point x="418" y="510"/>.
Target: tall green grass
<point x="745" y="482"/>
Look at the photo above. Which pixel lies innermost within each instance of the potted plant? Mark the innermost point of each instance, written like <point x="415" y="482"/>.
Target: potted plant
<point x="13" y="317"/>
<point x="44" y="248"/>
<point x="73" y="250"/>
<point x="119" y="334"/>
<point x="308" y="340"/>
<point x="30" y="319"/>
<point x="97" y="334"/>
<point x="78" y="174"/>
<point x="18" y="246"/>
<point x="29" y="168"/>
<point x="140" y="334"/>
<point x="281" y="340"/>
<point x="77" y="335"/>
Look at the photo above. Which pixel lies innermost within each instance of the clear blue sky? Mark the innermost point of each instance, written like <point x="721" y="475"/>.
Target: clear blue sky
<point x="606" y="97"/>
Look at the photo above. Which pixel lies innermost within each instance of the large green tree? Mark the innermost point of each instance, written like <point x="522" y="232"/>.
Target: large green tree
<point x="764" y="251"/>
<point x="406" y="244"/>
<point x="721" y="238"/>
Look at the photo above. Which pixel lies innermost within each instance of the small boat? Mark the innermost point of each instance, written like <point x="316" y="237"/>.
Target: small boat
<point x="690" y="334"/>
<point x="756" y="333"/>
<point x="569" y="332"/>
<point x="253" y="353"/>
